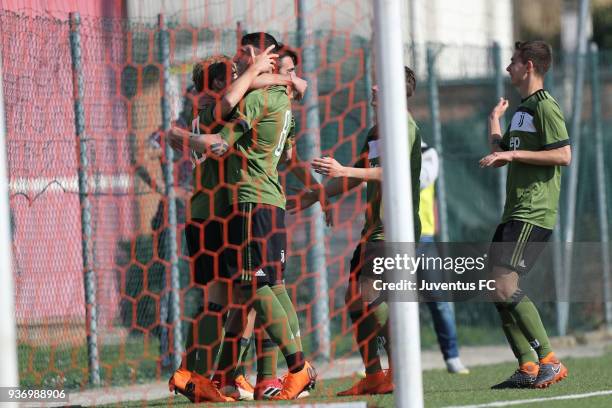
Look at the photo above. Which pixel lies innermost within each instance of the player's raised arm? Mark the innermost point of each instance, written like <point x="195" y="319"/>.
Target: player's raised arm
<point x="263" y="62"/>
<point x="495" y="133"/>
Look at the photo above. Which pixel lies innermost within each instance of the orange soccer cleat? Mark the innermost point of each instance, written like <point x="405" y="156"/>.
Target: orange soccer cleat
<point x="377" y="383"/>
<point x="241" y="389"/>
<point x="295" y="383"/>
<point x="195" y="387"/>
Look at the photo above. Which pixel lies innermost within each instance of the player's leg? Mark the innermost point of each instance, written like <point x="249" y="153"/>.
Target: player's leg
<point x="268" y="384"/>
<point x="228" y="375"/>
<point x="239" y="374"/>
<point x="511" y="302"/>
<point x="506" y="289"/>
<point x="443" y="317"/>
<point x="442" y="312"/>
<point x="368" y="318"/>
<point x="276" y="256"/>
<point x="505" y="241"/>
<point x="203" y="339"/>
<point x="251" y="231"/>
<point x="280" y="290"/>
<point x="526" y="314"/>
<point x="205" y="332"/>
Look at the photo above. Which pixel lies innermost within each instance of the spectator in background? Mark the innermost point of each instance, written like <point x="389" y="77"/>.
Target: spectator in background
<point x="442" y="313"/>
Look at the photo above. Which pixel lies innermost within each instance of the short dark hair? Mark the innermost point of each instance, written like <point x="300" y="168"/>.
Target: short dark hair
<point x="286" y="51"/>
<point x="538" y="52"/>
<point x="410" y="81"/>
<point x="209" y="69"/>
<point x="259" y="40"/>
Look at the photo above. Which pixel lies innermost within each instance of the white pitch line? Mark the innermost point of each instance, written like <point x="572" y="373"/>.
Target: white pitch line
<point x="98" y="183"/>
<point x="529" y="401"/>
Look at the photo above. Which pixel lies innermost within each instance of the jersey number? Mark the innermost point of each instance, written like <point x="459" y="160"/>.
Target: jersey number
<point x="284" y="133"/>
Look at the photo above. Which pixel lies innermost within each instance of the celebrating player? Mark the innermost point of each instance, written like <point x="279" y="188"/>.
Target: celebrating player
<point x="369" y="311"/>
<point x="256" y="229"/>
<point x="534" y="147"/>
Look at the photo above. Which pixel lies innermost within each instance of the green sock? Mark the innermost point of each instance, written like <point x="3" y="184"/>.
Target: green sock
<point x="267" y="357"/>
<point x="243" y="355"/>
<point x="518" y="342"/>
<point x="528" y="320"/>
<point x="274" y="319"/>
<point x="283" y="297"/>
<point x="202" y="348"/>
<point x="368" y="326"/>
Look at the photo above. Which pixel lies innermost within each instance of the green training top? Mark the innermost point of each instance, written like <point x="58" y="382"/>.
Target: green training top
<point x="532" y="192"/>
<point x="373" y="229"/>
<point x="259" y="135"/>
<point x="207" y="184"/>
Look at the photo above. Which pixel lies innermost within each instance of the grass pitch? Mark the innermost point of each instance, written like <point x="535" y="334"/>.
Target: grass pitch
<point x="443" y="389"/>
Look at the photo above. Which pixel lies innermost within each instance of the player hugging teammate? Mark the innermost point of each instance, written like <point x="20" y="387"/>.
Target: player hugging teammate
<point x="236" y="235"/>
<point x="247" y="231"/>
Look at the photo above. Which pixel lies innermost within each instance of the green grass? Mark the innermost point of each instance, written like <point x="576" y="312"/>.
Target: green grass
<point x="443" y="389"/>
<point x="67" y="367"/>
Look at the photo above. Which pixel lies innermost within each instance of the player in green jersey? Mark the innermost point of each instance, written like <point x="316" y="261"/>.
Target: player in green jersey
<point x="256" y="229"/>
<point x="368" y="310"/>
<point x="534" y="147"/>
<point x="209" y="202"/>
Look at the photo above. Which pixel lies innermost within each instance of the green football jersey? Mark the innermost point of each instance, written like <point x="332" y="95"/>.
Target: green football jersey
<point x="210" y="190"/>
<point x="259" y="135"/>
<point x="373" y="229"/>
<point x="532" y="192"/>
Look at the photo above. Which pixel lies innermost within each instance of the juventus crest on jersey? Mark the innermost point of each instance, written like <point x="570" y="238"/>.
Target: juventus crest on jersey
<point x="523" y="121"/>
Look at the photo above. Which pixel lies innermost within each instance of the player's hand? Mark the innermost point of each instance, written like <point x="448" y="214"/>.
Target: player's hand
<point x="328" y="166"/>
<point x="499" y="109"/>
<point x="497" y="159"/>
<point x="299" y="85"/>
<point x="265" y="61"/>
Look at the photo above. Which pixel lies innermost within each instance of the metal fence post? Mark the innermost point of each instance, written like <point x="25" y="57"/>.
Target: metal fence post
<point x="311" y="148"/>
<point x="436" y="126"/>
<point x="602" y="202"/>
<point x="367" y="61"/>
<point x="572" y="189"/>
<point x="9" y="374"/>
<point x="499" y="93"/>
<point x="91" y="307"/>
<point x="168" y="170"/>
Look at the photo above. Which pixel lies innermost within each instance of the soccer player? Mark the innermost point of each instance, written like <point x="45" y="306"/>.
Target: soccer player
<point x="256" y="229"/>
<point x="205" y="231"/>
<point x="268" y="384"/>
<point x="534" y="147"/>
<point x="368" y="310"/>
<point x="209" y="204"/>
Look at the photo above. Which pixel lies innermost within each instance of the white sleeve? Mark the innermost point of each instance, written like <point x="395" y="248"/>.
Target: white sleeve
<point x="429" y="167"/>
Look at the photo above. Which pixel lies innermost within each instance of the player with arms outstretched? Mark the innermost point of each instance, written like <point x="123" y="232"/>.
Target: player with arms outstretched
<point x="368" y="310"/>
